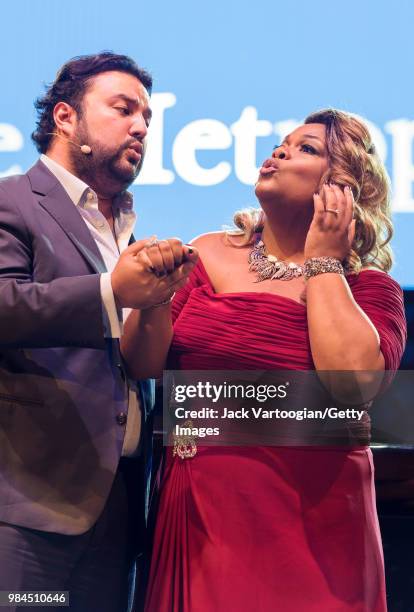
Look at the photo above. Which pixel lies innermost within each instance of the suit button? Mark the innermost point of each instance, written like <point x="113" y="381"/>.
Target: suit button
<point x="121" y="418"/>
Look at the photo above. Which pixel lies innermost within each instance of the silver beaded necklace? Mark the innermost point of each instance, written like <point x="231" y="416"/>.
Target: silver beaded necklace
<point x="269" y="266"/>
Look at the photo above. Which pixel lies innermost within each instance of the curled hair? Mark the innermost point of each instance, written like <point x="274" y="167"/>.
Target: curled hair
<point x="353" y="161"/>
<point x="71" y="84"/>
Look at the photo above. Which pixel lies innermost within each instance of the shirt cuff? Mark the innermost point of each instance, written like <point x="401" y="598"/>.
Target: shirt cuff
<point x="112" y="316"/>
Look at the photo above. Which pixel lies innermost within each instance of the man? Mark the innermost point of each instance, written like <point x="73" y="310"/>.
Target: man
<point x="72" y="425"/>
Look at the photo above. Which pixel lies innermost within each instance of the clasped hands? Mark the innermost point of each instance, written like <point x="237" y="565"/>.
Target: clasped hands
<point x="149" y="271"/>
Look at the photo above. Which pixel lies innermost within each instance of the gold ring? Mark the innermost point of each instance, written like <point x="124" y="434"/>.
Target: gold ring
<point x="151" y="243"/>
<point x="332" y="210"/>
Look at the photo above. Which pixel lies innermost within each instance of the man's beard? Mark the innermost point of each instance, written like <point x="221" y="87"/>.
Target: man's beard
<point x="102" y="169"/>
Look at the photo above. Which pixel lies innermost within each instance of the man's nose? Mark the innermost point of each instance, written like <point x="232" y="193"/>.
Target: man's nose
<point x="138" y="128"/>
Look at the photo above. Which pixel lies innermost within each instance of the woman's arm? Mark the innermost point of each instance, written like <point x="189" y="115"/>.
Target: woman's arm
<point x="342" y="337"/>
<point x="148" y="333"/>
<point x="345" y="344"/>
<point x="145" y="342"/>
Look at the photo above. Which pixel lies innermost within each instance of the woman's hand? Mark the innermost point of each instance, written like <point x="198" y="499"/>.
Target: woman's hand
<point x="148" y="272"/>
<point x="332" y="230"/>
<point x="163" y="257"/>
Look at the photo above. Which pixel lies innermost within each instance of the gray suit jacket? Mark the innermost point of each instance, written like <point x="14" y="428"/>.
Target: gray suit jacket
<point x="62" y="384"/>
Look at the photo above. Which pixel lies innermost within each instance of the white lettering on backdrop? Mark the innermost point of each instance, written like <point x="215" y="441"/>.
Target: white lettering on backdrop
<point x="11" y="140"/>
<point x="210" y="134"/>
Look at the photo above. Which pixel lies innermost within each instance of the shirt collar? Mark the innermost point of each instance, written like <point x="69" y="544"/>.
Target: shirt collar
<point x="77" y="189"/>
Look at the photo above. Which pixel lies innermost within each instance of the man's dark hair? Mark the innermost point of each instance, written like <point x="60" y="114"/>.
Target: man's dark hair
<point x="70" y="85"/>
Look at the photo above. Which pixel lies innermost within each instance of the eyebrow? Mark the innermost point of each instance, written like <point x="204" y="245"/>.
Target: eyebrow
<point x="133" y="102"/>
<point x="306" y="136"/>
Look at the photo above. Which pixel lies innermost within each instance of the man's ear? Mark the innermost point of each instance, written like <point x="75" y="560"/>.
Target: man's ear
<point x="65" y="118"/>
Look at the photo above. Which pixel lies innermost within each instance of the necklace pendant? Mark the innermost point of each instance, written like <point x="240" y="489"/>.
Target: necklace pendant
<point x="269" y="267"/>
<point x="280" y="272"/>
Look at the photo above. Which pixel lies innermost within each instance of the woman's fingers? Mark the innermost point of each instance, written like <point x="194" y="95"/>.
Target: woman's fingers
<point x="349" y="206"/>
<point x="319" y="207"/>
<point x="351" y="232"/>
<point x="153" y="253"/>
<point x="339" y="203"/>
<point x="177" y="250"/>
<point x="332" y="230"/>
<point x="165" y="256"/>
<point x="332" y="207"/>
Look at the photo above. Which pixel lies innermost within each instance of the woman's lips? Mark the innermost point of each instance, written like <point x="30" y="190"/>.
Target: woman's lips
<point x="265" y="170"/>
<point x="269" y="166"/>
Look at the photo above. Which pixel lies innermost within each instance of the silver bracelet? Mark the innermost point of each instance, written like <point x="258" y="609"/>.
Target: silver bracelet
<point x="164" y="303"/>
<point x="320" y="265"/>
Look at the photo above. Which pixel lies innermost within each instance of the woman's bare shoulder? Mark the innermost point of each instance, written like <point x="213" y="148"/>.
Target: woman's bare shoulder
<point x="217" y="248"/>
<point x="217" y="240"/>
<point x="208" y="239"/>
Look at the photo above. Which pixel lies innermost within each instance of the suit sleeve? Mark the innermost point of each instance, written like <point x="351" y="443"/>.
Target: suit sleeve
<point x="63" y="312"/>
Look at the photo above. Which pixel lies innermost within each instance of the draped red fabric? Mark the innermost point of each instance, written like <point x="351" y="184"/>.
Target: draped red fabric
<point x="268" y="529"/>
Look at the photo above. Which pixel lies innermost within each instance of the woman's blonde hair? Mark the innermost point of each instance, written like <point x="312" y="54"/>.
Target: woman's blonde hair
<point x="353" y="161"/>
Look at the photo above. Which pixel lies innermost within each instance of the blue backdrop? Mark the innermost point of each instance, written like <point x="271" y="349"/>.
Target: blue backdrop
<point x="231" y="77"/>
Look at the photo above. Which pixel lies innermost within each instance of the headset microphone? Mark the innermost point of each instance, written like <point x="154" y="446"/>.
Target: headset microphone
<point x="85" y="149"/>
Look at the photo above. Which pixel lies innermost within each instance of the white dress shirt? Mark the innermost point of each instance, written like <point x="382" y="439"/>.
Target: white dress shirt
<point x="86" y="201"/>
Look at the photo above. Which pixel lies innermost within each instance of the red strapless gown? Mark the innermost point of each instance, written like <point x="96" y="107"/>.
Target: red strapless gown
<point x="268" y="529"/>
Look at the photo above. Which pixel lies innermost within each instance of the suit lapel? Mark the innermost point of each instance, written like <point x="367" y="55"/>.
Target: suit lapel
<point x="54" y="199"/>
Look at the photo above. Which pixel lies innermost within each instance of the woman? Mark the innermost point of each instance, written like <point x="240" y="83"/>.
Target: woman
<point x="303" y="286"/>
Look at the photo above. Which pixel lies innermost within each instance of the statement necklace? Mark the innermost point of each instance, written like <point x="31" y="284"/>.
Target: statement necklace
<point x="269" y="266"/>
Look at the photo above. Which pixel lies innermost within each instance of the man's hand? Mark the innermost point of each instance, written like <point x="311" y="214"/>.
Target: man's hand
<point x="148" y="272"/>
